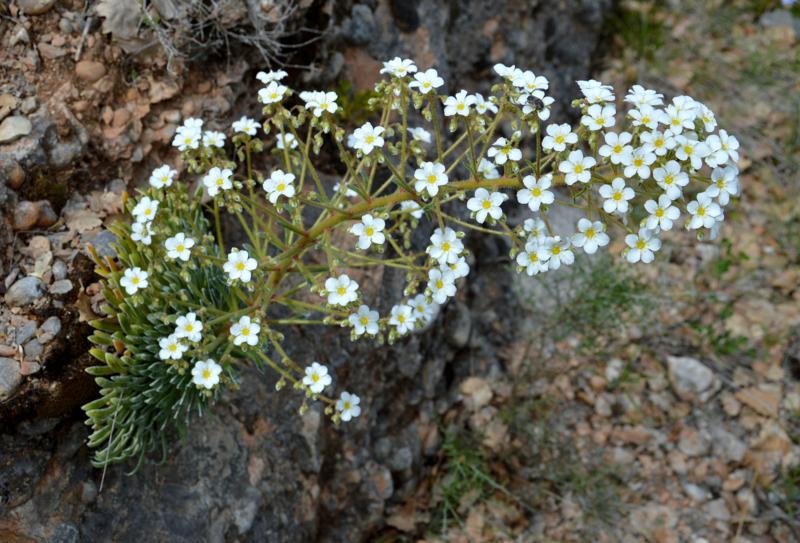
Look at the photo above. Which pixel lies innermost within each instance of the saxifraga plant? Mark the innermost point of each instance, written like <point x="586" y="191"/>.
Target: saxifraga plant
<point x="185" y="313"/>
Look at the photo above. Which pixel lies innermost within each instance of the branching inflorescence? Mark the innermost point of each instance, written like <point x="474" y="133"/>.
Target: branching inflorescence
<point x="185" y="312"/>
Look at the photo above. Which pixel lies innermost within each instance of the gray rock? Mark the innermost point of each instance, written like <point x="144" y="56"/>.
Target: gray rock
<point x="10" y="377"/>
<point x="718" y="510"/>
<point x="359" y="29"/>
<point x="24" y="330"/>
<point x="33" y="349"/>
<point x="691" y="379"/>
<point x="401" y="459"/>
<point x="26" y="215"/>
<point x="49" y="329"/>
<point x="59" y="270"/>
<point x="61" y="286"/>
<point x="25" y="291"/>
<point x="35" y="7"/>
<point x="458" y="325"/>
<point x="14" y="127"/>
<point x="696" y="492"/>
<point x="727" y="446"/>
<point x="693" y="443"/>
<point x="102" y="243"/>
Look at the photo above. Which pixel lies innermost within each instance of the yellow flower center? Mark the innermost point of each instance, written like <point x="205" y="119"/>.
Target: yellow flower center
<point x="559" y="139"/>
<point x="135" y="280"/>
<point x="346" y="406"/>
<point x="618" y="148"/>
<point x="220" y="181"/>
<point x="536" y="191"/>
<point x="245" y="331"/>
<point x="315" y="377"/>
<point x="240" y="266"/>
<point x="172" y="347"/>
<point x="369" y="139"/>
<point x="641" y="244"/>
<point x="206" y="374"/>
<point x="555" y="250"/>
<point x="578" y="168"/>
<point x="638" y="162"/>
<point x="669" y="179"/>
<point x="590" y="233"/>
<point x="701" y="211"/>
<point x="487" y="204"/>
<point x="687" y="149"/>
<point x="370" y="231"/>
<point x="179" y="248"/>
<point x="364" y="321"/>
<point x="341" y="291"/>
<point x="439" y="284"/>
<point x="431" y="179"/>
<point x="617" y="196"/>
<point x="659" y="213"/>
<point x="189" y="328"/>
<point x="281" y="187"/>
<point x="445" y="247"/>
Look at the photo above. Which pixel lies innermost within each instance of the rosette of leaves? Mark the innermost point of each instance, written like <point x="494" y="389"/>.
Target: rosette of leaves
<point x="143" y="397"/>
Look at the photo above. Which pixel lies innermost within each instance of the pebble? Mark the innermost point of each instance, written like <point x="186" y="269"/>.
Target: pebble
<point x="28" y="105"/>
<point x="727" y="446"/>
<point x="25" y="328"/>
<point x="29" y="367"/>
<point x="696" y="492"/>
<point x="61" y="287"/>
<point x="35" y="7"/>
<point x="90" y="70"/>
<point x="47" y="216"/>
<point x="8" y="350"/>
<point x="49" y="329"/>
<point x="691" y="379"/>
<point x="59" y="270"/>
<point x="718" y="510"/>
<point x="25" y="291"/>
<point x="693" y="443"/>
<point x="20" y="35"/>
<point x="33" y="349"/>
<point x="14" y="127"/>
<point x="10" y="377"/>
<point x="764" y="399"/>
<point x="26" y="215"/>
<point x="458" y="326"/>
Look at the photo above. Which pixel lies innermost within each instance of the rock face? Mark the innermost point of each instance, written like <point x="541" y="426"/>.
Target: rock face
<point x="254" y="470"/>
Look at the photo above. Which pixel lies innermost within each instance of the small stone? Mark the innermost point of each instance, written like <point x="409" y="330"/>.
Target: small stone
<point x="62" y="286"/>
<point x="29" y="367"/>
<point x="26" y="215"/>
<point x="35" y="7"/>
<point x="763" y="399"/>
<point x="25" y="291"/>
<point x="51" y="52"/>
<point x="28" y="105"/>
<point x="7" y="350"/>
<point x="102" y="243"/>
<point x="20" y="35"/>
<point x="735" y="481"/>
<point x="730" y="405"/>
<point x="477" y="392"/>
<point x="693" y="443"/>
<point x="24" y="330"/>
<point x="718" y="510"/>
<point x="727" y="446"/>
<point x="747" y="501"/>
<point x="15" y="174"/>
<point x="691" y="379"/>
<point x="10" y="377"/>
<point x="696" y="493"/>
<point x="65" y="25"/>
<point x="401" y="459"/>
<point x="88" y="491"/>
<point x="59" y="270"/>
<point x="49" y="329"/>
<point x="47" y="217"/>
<point x="622" y="456"/>
<point x="90" y="70"/>
<point x="14" y="127"/>
<point x="33" y="349"/>
<point x="458" y="326"/>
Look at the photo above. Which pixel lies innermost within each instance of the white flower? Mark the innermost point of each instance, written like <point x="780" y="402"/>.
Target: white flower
<point x="269" y="77"/>
<point x="599" y="117"/>
<point x="558" y="137"/>
<point x="535" y="192"/>
<point x="529" y="82"/>
<point x="645" y="116"/>
<point x="657" y="142"/>
<point x="140" y="231"/>
<point x="529" y="259"/>
<point x="288" y="140"/>
<point x="482" y="105"/>
<point x="616" y="147"/>
<point x="556" y="252"/>
<point x="704" y="211"/>
<point x="662" y="213"/>
<point x="487" y="169"/>
<point x="691" y="150"/>
<point x="347" y="406"/>
<point x="348" y="192"/>
<point x="640" y="96"/>
<point x="445" y="246"/>
<point x="412" y="208"/>
<point x="458" y="104"/>
<point x="316" y="378"/>
<point x="724" y="184"/>
<point x="538" y="102"/>
<point x="504" y="71"/>
<point x="576" y="167"/>
<point x="145" y="209"/>
<point x="365" y="320"/>
<point x="595" y="92"/>
<point x="484" y="203"/>
<point x="133" y="279"/>
<point x="245" y="125"/>
<point x="171" y="348"/>
<point x="162" y="177"/>
<point x="279" y="184"/>
<point x="187" y="137"/>
<point x="590" y="236"/>
<point x="272" y="93"/>
<point x="503" y="150"/>
<point x="239" y="265"/>
<point x="420" y="134"/>
<point x="708" y="119"/>
<point x="341" y="290"/>
<point x="535" y="227"/>
<point x="442" y="284"/>
<point x="671" y="179"/>
<point x="368" y="137"/>
<point x="245" y="331"/>
<point x="193" y="124"/>
<point x="399" y="67"/>
<point x="369" y="231"/>
<point x="677" y="119"/>
<point x="722" y="148"/>
<point x="212" y="138"/>
<point x="324" y="101"/>
<point x="423" y="311"/>
<point x="616" y="196"/>
<point x="460" y="268"/>
<point x="217" y="179"/>
<point x="179" y="246"/>
<point x="429" y="177"/>
<point x="187" y="326"/>
<point x="426" y="81"/>
<point x="638" y="163"/>
<point x="642" y="246"/>
<point x="402" y="318"/>
<point x="206" y="374"/>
